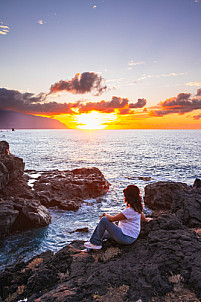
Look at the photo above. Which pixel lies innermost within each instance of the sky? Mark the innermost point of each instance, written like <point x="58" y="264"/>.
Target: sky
<point x="103" y="64"/>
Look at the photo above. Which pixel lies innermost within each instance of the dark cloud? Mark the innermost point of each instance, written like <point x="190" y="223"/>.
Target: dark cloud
<point x="140" y="104"/>
<point x="180" y="104"/>
<point x="80" y="84"/>
<point x="183" y="96"/>
<point x="28" y="103"/>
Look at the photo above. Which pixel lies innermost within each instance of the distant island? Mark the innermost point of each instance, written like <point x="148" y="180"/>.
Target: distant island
<point x="16" y="120"/>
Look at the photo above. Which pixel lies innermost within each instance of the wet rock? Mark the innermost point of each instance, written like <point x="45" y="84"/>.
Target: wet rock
<point x="82" y="230"/>
<point x="31" y="214"/>
<point x="69" y="189"/>
<point x="21" y="214"/>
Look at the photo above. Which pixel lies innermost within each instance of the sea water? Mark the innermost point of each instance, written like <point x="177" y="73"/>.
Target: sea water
<point x="124" y="157"/>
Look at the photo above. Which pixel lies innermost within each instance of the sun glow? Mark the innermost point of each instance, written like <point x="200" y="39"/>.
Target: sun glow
<point x="94" y="120"/>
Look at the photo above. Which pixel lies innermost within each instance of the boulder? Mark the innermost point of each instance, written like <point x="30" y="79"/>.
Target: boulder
<point x="69" y="189"/>
<point x="160" y="195"/>
<point x="182" y="200"/>
<point x="187" y="207"/>
<point x="31" y="214"/>
<point x="21" y="214"/>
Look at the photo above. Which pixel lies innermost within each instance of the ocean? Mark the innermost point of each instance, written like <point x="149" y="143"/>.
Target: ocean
<point x="124" y="157"/>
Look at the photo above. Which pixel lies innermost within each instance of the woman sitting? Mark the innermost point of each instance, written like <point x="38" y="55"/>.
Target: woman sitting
<point x="128" y="228"/>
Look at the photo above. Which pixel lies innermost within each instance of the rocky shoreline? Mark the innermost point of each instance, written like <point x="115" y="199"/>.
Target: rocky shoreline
<point x="163" y="264"/>
<point x="24" y="206"/>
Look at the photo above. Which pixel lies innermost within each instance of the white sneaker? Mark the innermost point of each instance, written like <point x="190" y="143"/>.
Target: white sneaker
<point x="89" y="245"/>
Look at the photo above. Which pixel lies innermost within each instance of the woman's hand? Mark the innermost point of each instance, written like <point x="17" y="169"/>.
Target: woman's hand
<point x="144" y="218"/>
<point x="149" y="219"/>
<point x="114" y="218"/>
<point x="104" y="214"/>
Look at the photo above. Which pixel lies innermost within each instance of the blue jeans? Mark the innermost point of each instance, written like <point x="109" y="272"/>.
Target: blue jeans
<point x="109" y="230"/>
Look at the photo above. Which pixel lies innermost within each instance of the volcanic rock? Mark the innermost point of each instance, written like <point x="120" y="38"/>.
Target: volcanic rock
<point x="8" y="215"/>
<point x="167" y="254"/>
<point x="11" y="167"/>
<point x="31" y="214"/>
<point x="68" y="189"/>
<point x="182" y="200"/>
<point x="21" y="214"/>
<point x="160" y="195"/>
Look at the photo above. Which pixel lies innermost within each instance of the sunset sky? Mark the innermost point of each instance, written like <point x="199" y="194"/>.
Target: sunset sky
<point x="94" y="64"/>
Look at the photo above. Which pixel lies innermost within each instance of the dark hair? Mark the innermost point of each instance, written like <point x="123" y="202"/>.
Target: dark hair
<point x="133" y="198"/>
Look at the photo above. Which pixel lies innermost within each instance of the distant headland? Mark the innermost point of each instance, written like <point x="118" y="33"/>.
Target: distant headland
<point x="16" y="120"/>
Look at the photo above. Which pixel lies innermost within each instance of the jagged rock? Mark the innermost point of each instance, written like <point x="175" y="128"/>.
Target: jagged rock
<point x="18" y="188"/>
<point x="69" y="189"/>
<point x="197" y="183"/>
<point x="8" y="215"/>
<point x="166" y="250"/>
<point x="160" y="195"/>
<point x="166" y="254"/>
<point x="21" y="214"/>
<point x="184" y="201"/>
<point x="187" y="207"/>
<point x="31" y="214"/>
<point x="11" y="167"/>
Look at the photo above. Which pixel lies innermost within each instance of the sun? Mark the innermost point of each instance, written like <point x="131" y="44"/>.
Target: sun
<point x="93" y="120"/>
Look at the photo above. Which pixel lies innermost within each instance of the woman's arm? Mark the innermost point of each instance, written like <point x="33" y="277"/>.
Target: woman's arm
<point x="112" y="218"/>
<point x="144" y="218"/>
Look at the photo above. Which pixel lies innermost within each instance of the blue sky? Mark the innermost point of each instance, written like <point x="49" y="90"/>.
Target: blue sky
<point x="142" y="48"/>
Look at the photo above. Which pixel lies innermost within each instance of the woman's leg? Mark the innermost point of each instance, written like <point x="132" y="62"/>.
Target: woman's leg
<point x="114" y="231"/>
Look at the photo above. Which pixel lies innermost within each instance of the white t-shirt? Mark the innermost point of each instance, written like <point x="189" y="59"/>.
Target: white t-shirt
<point x="131" y="225"/>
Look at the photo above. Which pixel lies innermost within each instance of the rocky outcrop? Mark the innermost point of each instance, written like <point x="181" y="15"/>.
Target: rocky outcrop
<point x="23" y="207"/>
<point x="17" y="213"/>
<point x="21" y="214"/>
<point x="160" y="195"/>
<point x="11" y="167"/>
<point x="69" y="189"/>
<point x="163" y="264"/>
<point x="31" y="214"/>
<point x="182" y="200"/>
